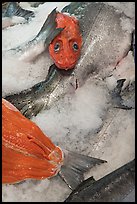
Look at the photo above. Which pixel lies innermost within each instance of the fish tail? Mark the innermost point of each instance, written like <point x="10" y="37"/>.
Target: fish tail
<point x="14" y="9"/>
<point x="49" y="28"/>
<point x="116" y="97"/>
<point x="27" y="103"/>
<point x="74" y="167"/>
<point x="32" y="49"/>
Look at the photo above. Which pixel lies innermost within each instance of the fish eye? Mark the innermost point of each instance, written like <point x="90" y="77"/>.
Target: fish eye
<point x="75" y="46"/>
<point x="56" y="47"/>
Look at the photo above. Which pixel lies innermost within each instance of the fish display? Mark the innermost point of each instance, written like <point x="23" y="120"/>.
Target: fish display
<point x="113" y="187"/>
<point x="117" y="130"/>
<point x="27" y="153"/>
<point x="105" y="43"/>
<point x="13" y="9"/>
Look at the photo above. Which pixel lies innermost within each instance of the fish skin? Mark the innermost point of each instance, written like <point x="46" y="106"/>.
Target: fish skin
<point x="72" y="7"/>
<point x="105" y="42"/>
<point x="100" y="52"/>
<point x="27" y="153"/>
<point x="44" y="94"/>
<point x="97" y="60"/>
<point x="31" y="101"/>
<point x="113" y="187"/>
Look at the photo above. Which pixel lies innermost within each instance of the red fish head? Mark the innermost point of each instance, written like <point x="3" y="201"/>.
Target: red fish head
<point x="65" y="48"/>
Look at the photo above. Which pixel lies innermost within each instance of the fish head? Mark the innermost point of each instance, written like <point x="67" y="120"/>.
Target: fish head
<point x="66" y="47"/>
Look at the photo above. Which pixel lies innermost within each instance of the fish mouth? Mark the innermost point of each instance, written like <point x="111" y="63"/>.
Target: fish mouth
<point x="66" y="67"/>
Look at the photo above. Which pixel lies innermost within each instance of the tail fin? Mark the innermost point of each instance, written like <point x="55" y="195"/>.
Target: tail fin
<point x="14" y="9"/>
<point x="50" y="19"/>
<point x="74" y="167"/>
<point x="116" y="97"/>
<point x="32" y="49"/>
<point x="49" y="29"/>
<point x="27" y="102"/>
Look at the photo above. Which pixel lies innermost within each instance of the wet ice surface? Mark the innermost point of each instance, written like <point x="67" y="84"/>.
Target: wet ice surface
<point x="84" y="122"/>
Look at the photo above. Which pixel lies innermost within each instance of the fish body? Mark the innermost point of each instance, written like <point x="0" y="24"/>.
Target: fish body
<point x="27" y="153"/>
<point x="65" y="48"/>
<point x="113" y="187"/>
<point x="26" y="148"/>
<point x="31" y="101"/>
